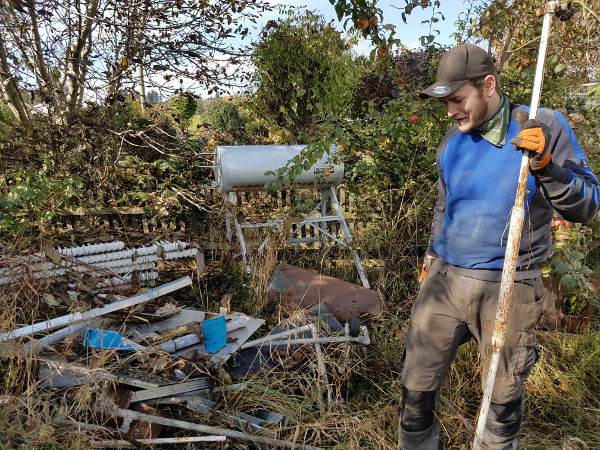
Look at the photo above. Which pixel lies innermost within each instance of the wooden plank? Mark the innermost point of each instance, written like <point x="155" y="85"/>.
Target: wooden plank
<point x="97" y="312"/>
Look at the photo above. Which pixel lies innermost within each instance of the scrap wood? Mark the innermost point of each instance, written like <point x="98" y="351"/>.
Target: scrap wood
<point x="96" y="312"/>
<point x="124" y="413"/>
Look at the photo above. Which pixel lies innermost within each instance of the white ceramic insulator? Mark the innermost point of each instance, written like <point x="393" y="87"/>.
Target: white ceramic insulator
<point x="90" y="249"/>
<point x="126" y="262"/>
<point x="114" y="258"/>
<point x="183" y="254"/>
<point x="148" y="276"/>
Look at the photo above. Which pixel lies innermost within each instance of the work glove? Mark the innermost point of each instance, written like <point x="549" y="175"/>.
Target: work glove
<point x="426" y="265"/>
<point x="535" y="136"/>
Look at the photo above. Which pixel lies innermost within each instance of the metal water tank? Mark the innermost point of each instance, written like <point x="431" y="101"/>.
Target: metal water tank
<point x="243" y="167"/>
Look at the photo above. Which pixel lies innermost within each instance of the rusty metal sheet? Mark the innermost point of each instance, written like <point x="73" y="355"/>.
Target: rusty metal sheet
<point x="301" y="288"/>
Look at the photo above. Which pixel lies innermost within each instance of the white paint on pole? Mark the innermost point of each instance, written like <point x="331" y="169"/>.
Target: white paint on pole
<point x="513" y="243"/>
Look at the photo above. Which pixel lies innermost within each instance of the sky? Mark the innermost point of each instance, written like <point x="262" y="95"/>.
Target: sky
<point x="408" y="33"/>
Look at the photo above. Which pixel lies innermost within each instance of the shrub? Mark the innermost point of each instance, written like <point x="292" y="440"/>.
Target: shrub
<point x="223" y="116"/>
<point x="182" y="108"/>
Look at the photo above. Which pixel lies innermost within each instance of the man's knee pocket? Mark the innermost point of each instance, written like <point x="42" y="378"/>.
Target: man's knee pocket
<point x="418" y="410"/>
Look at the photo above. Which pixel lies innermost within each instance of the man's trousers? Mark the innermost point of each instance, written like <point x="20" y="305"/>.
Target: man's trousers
<point x="449" y="310"/>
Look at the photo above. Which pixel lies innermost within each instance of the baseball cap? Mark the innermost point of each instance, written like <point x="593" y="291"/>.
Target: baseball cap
<point x="457" y="66"/>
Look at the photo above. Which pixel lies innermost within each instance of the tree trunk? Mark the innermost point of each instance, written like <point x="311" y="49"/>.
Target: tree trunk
<point x="78" y="57"/>
<point x="10" y="90"/>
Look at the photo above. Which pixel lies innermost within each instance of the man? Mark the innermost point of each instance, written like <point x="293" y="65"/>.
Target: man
<point x="478" y="170"/>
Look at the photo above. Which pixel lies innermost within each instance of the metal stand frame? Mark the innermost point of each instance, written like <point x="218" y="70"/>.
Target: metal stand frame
<point x="318" y="222"/>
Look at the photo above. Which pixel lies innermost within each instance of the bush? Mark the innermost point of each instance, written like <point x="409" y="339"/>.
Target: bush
<point x="301" y="64"/>
<point x="182" y="108"/>
<point x="223" y="116"/>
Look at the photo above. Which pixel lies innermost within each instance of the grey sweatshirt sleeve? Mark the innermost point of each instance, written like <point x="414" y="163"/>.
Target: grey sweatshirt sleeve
<point x="567" y="182"/>
<point x="440" y="206"/>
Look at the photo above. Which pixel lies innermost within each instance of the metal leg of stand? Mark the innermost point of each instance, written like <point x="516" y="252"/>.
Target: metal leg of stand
<point x="240" y="235"/>
<point x="346" y="231"/>
<point x="228" y="219"/>
<point x="324" y="197"/>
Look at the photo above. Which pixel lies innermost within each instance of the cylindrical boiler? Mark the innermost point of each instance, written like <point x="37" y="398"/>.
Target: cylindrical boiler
<point x="243" y="167"/>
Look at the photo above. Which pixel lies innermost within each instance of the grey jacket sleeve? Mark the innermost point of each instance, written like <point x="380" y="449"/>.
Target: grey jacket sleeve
<point x="440" y="206"/>
<point x="567" y="182"/>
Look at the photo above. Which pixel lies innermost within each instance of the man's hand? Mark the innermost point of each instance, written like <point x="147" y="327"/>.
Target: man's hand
<point x="535" y="136"/>
<point x="426" y="265"/>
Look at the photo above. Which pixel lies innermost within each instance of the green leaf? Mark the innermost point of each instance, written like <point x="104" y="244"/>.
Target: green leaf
<point x="339" y="8"/>
<point x="560" y="267"/>
<point x="568" y="281"/>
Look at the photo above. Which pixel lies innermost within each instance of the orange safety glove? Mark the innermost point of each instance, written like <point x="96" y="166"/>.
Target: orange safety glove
<point x="426" y="265"/>
<point x="535" y="136"/>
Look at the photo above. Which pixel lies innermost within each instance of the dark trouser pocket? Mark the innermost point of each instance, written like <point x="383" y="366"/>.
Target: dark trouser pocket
<point x="526" y="355"/>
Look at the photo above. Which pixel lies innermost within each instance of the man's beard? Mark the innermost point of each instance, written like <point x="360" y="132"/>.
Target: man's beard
<point x="478" y="116"/>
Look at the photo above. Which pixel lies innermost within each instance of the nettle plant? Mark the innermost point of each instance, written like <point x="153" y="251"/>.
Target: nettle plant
<point x="567" y="263"/>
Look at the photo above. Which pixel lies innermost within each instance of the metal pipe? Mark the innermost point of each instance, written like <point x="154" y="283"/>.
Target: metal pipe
<point x="278" y="443"/>
<point x="321" y="362"/>
<point x="364" y="339"/>
<point x="275" y="336"/>
<point x="513" y="243"/>
<point x="118" y="443"/>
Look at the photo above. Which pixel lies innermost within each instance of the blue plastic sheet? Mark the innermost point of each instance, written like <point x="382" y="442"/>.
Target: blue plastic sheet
<point x="107" y="339"/>
<point x="215" y="334"/>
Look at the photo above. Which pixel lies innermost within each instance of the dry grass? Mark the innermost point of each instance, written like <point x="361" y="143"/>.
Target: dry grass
<point x="562" y="407"/>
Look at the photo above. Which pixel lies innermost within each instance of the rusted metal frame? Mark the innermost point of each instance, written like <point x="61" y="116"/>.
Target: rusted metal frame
<point x="513" y="243"/>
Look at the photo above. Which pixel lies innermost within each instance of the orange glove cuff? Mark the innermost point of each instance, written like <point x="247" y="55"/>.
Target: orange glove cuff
<point x="545" y="160"/>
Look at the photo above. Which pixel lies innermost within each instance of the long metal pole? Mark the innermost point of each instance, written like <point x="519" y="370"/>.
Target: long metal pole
<point x="514" y="241"/>
<point x="277" y="443"/>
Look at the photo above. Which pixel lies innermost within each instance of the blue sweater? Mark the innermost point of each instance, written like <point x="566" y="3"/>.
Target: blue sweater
<point x="477" y="184"/>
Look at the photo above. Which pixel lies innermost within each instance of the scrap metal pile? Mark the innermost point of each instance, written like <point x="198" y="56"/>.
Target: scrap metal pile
<point x="133" y="370"/>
